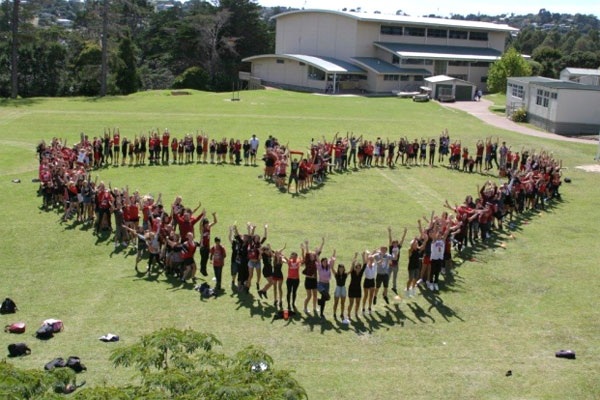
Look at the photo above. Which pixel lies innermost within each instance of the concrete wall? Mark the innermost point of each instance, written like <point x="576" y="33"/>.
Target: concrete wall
<point x="289" y="73"/>
<point x="316" y="35"/>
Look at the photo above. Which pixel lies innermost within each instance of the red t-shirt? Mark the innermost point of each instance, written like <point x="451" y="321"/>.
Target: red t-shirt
<point x="116" y="139"/>
<point x="104" y="200"/>
<point x="186" y="227"/>
<point x="188" y="250"/>
<point x="218" y="255"/>
<point x="165" y="139"/>
<point x="294" y="268"/>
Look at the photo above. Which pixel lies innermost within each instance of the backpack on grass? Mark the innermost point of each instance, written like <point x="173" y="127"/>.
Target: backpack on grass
<point x="56" y="363"/>
<point x="17" y="327"/>
<point x="75" y="364"/>
<point x="45" y="332"/>
<point x="8" y="306"/>
<point x="18" y="349"/>
<point x="56" y="324"/>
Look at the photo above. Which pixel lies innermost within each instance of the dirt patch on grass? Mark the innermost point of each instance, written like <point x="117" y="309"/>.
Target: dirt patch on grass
<point x="590" y="168"/>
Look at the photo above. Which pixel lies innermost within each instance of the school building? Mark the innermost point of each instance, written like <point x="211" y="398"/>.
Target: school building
<point x="318" y="50"/>
<point x="556" y="105"/>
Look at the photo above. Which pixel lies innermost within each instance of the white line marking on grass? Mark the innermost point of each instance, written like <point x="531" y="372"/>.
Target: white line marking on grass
<point x="412" y="192"/>
<point x="216" y="115"/>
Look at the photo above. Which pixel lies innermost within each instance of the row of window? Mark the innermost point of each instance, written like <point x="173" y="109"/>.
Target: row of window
<point x="416" y="78"/>
<point x="543" y="97"/>
<point x="433" y="32"/>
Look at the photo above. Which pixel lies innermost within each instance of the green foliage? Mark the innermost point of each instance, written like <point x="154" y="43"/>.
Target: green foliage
<point x="192" y="78"/>
<point x="127" y="79"/>
<point x="21" y="384"/>
<point x="519" y="115"/>
<point x="184" y="365"/>
<point x="511" y="64"/>
<point x="548" y="58"/>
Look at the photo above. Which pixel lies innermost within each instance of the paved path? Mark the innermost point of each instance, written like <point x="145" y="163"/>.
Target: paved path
<point x="480" y="109"/>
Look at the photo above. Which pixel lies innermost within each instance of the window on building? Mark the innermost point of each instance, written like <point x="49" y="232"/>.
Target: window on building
<point x="413" y="61"/>
<point x="437" y="33"/>
<point x="390" y="77"/>
<point x="418" y="78"/>
<point x="395" y="60"/>
<point x="459" y="76"/>
<point x="482" y="36"/>
<point x="315" y="74"/>
<point x="409" y="31"/>
<point x="458" y="63"/>
<point x="280" y="61"/>
<point x="301" y="64"/>
<point x="391" y="30"/>
<point x="404" y="77"/>
<point x="517" y="91"/>
<point x="481" y="64"/>
<point x="484" y="79"/>
<point x="458" y="34"/>
<point x="543" y="98"/>
<point x="428" y="62"/>
<point x="554" y="96"/>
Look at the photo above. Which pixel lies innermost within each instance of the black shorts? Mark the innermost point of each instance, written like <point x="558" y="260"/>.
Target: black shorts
<point x="369" y="283"/>
<point x="293" y="178"/>
<point x="310" y="283"/>
<point x="188" y="261"/>
<point x="382" y="279"/>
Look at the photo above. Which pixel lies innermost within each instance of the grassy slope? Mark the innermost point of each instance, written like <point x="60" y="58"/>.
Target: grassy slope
<point x="509" y="310"/>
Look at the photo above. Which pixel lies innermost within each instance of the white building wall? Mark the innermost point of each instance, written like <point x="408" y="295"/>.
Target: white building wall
<point x="578" y="106"/>
<point x="288" y="73"/>
<point x="316" y="34"/>
<point x="549" y="113"/>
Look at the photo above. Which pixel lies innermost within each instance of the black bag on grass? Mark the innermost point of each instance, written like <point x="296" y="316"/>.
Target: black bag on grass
<point x="45" y="332"/>
<point x="8" y="306"/>
<point x="18" y="349"/>
<point x="56" y="363"/>
<point x="75" y="364"/>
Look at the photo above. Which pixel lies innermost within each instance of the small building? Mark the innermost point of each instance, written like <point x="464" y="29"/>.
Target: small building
<point x="375" y="53"/>
<point x="558" y="106"/>
<point x="447" y="88"/>
<point x="586" y="76"/>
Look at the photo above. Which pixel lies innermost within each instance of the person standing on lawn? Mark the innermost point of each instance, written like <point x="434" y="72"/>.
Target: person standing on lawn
<point x="217" y="259"/>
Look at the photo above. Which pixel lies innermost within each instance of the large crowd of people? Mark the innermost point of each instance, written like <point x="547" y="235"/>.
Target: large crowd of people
<point x="169" y="236"/>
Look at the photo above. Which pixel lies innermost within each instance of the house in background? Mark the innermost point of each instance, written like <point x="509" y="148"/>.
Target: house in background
<point x="581" y="75"/>
<point x="558" y="106"/>
<point x="318" y="50"/>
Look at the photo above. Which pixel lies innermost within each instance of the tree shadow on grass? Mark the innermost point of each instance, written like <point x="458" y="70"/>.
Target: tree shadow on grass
<point x="26" y="102"/>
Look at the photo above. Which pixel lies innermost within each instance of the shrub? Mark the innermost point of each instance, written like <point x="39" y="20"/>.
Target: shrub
<point x="192" y="78"/>
<point x="519" y="115"/>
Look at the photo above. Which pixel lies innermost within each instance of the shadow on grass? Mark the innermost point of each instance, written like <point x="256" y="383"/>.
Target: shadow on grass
<point x="26" y="102"/>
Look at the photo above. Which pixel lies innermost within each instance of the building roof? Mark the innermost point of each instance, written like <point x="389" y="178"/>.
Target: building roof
<point x="383" y="67"/>
<point x="445" y="78"/>
<point x="408" y="20"/>
<point x="582" y="71"/>
<point x="439" y="52"/>
<point x="554" y="83"/>
<point x="327" y="64"/>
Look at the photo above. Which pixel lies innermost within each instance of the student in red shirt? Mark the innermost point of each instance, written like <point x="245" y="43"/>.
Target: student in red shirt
<point x="205" y="235"/>
<point x="104" y="201"/>
<point x="187" y="221"/>
<point x="217" y="259"/>
<point x="165" y="147"/>
<point x="187" y="256"/>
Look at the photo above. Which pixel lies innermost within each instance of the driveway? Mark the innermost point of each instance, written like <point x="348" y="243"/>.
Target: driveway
<point x="480" y="109"/>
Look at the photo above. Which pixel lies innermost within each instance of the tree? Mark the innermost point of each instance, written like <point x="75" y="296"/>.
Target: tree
<point x="511" y="64"/>
<point x="192" y="78"/>
<point x="104" y="73"/>
<point x="14" y="77"/>
<point x="126" y="71"/>
<point x="173" y="365"/>
<point x="547" y="57"/>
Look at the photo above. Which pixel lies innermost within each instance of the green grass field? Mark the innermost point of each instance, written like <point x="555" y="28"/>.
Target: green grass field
<point x="511" y="309"/>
